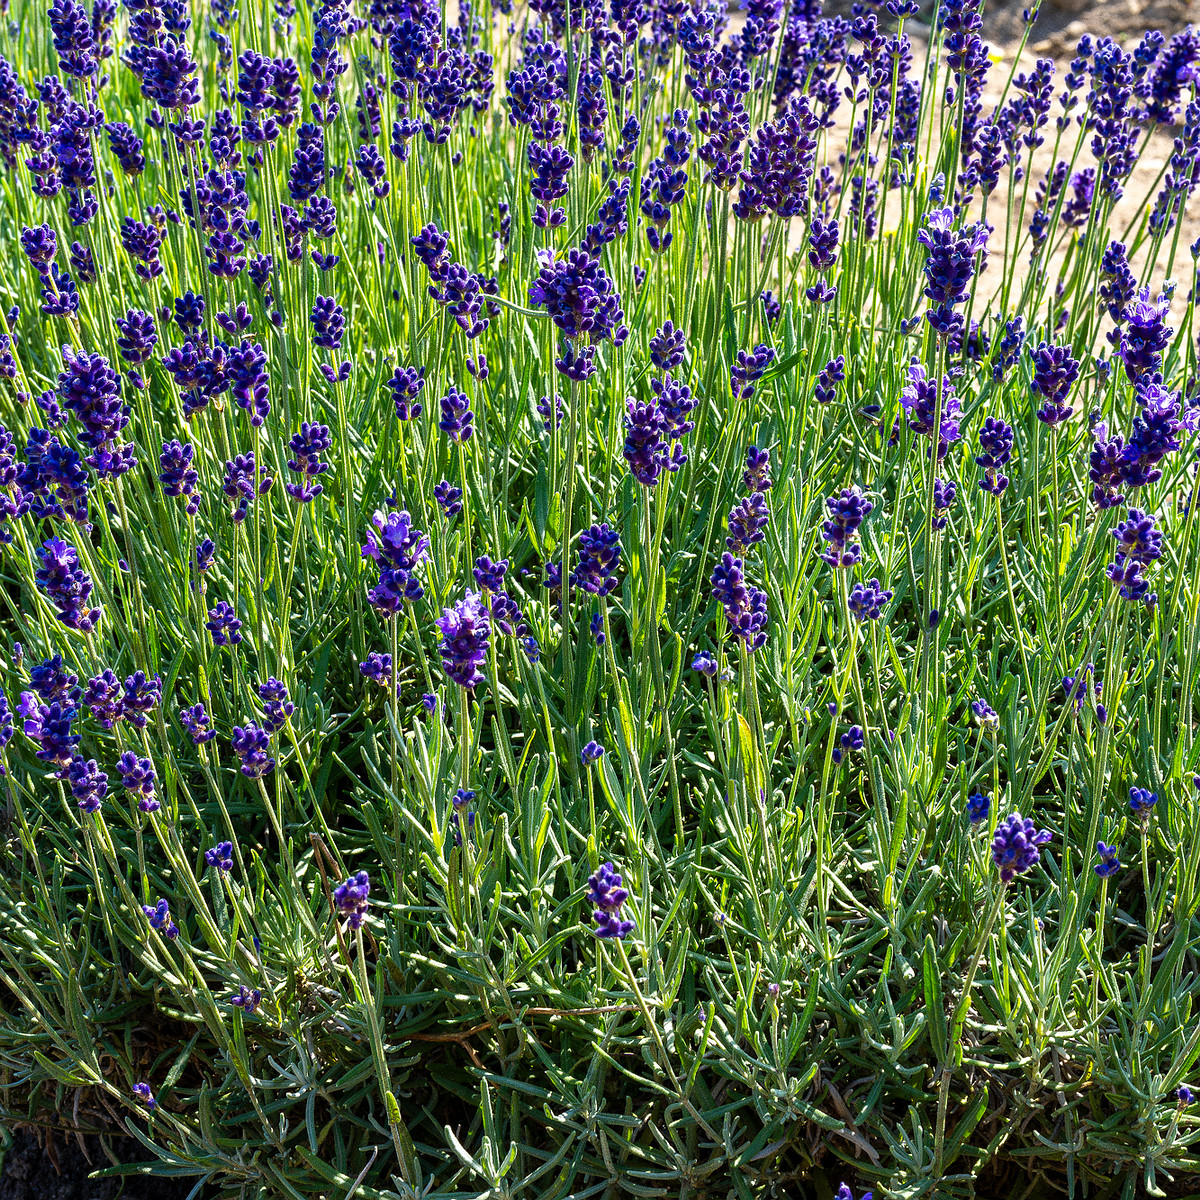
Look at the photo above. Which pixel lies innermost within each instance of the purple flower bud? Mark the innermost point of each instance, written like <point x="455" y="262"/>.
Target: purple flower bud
<point x="866" y="600"/>
<point x="137" y="776"/>
<point x="1109" y="863"/>
<point x="606" y="895"/>
<point x="350" y="899"/>
<point x="1015" y="848"/>
<point x="220" y="856"/>
<point x="591" y="753"/>
<point x="465" y="630"/>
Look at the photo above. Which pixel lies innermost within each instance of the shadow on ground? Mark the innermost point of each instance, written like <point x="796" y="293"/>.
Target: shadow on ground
<point x="33" y="1172"/>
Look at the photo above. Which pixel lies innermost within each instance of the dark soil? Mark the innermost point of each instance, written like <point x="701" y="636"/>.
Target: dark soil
<point x="33" y="1172"/>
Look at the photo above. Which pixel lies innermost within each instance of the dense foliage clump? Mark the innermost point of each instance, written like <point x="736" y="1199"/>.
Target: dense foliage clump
<point x="598" y="600"/>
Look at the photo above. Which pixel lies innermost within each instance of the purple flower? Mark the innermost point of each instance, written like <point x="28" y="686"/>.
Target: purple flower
<point x="307" y="173"/>
<point x="606" y="895"/>
<point x="250" y="744"/>
<point x="920" y="400"/>
<point x="1076" y="688"/>
<point x="943" y="499"/>
<point x="462" y="293"/>
<point x="60" y="296"/>
<point x="66" y="584"/>
<point x="830" y="375"/>
<point x="1008" y="349"/>
<point x="748" y="369"/>
<point x="137" y="341"/>
<point x="1155" y="433"/>
<point x="103" y="698"/>
<point x="249" y="380"/>
<point x="844" y="1192"/>
<point x="646" y="449"/>
<point x="137" y="775"/>
<point x="142" y="242"/>
<point x="757" y="475"/>
<point x="612" y="218"/>
<point x="985" y="714"/>
<point x="141" y="696"/>
<point x="1141" y="801"/>
<point x="145" y="1095"/>
<point x="243" y="484"/>
<point x="1015" y="848"/>
<point x="49" y="725"/>
<point x="664" y="182"/>
<point x="1109" y="863"/>
<point x="995" y="445"/>
<point x="489" y="576"/>
<point x="666" y="347"/>
<point x="506" y="614"/>
<point x="350" y="899"/>
<point x="160" y="919"/>
<point x="89" y="785"/>
<point x="91" y="389"/>
<point x="591" y="753"/>
<point x="1145" y="336"/>
<point x="599" y="555"/>
<point x="978" y="808"/>
<point x="195" y="721"/>
<point x="549" y="167"/>
<point x="745" y="606"/>
<point x="431" y="247"/>
<point x="53" y="682"/>
<point x="126" y="147"/>
<point x="224" y="625"/>
<point x="399" y="549"/>
<point x="307" y="447"/>
<point x="6" y="723"/>
<point x="849" y="742"/>
<point x="247" y="1000"/>
<point x="457" y="417"/>
<point x="866" y="600"/>
<point x="429" y="701"/>
<point x="1118" y="284"/>
<point x="377" y="668"/>
<point x="277" y="707"/>
<point x="1178" y="66"/>
<point x="705" y="664"/>
<point x="40" y="245"/>
<point x="220" y="856"/>
<point x="847" y="511"/>
<point x="189" y="313"/>
<point x="582" y="302"/>
<point x="823" y="244"/>
<point x="177" y="474"/>
<point x="405" y="386"/>
<point x="465" y="629"/>
<point x="780" y="162"/>
<point x="205" y="551"/>
<point x="950" y="264"/>
<point x="449" y="498"/>
<point x="328" y="322"/>
<point x="747" y="523"/>
<point x="1054" y="371"/>
<point x="1140" y="545"/>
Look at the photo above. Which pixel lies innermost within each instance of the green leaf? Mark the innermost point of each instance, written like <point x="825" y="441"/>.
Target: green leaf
<point x="935" y="1006"/>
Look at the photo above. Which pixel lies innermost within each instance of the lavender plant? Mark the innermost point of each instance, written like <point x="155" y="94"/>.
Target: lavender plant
<point x="733" y="727"/>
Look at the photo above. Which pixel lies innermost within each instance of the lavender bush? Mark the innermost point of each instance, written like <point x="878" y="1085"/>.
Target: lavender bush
<point x="598" y="599"/>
